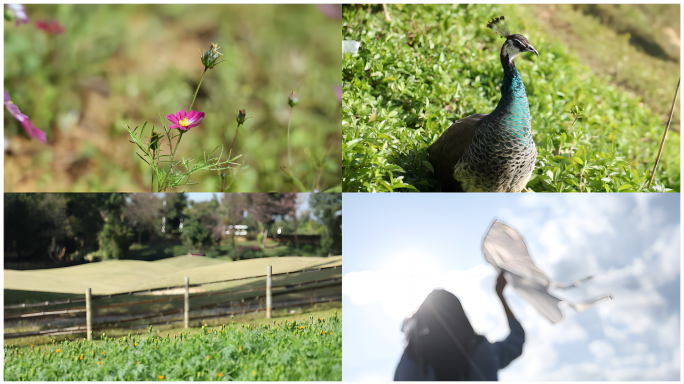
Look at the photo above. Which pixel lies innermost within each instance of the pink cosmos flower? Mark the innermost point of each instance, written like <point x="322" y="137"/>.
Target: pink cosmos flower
<point x="53" y="27"/>
<point x="19" y="12"/>
<point x="32" y="131"/>
<point x="185" y="121"/>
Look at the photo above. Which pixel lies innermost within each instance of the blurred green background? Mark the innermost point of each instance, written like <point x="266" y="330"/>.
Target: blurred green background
<point x="123" y="64"/>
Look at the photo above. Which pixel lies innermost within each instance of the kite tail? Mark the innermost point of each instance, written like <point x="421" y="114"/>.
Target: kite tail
<point x="584" y="305"/>
<point x="559" y="285"/>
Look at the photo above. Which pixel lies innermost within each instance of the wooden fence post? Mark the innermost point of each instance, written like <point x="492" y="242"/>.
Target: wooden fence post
<point x="89" y="316"/>
<point x="187" y="303"/>
<point x="269" y="270"/>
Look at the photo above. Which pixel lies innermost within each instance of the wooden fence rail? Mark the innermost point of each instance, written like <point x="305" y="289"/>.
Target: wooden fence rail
<point x="232" y="309"/>
<point x="175" y="298"/>
<point x="101" y="297"/>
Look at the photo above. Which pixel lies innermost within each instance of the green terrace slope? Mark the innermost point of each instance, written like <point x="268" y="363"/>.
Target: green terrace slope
<point x="435" y="64"/>
<point x="120" y="276"/>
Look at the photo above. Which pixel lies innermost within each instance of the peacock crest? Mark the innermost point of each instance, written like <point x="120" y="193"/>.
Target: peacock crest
<point x="498" y="25"/>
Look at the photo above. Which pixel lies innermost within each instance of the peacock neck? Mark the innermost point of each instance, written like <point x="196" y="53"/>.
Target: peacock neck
<point x="513" y="96"/>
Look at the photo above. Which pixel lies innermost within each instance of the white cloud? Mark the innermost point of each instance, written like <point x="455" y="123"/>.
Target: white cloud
<point x="602" y="350"/>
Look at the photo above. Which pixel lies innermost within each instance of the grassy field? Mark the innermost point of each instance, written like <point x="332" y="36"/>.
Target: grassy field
<point x="435" y="64"/>
<point x="117" y="276"/>
<point x="302" y="350"/>
<point x="111" y="313"/>
<point x="633" y="47"/>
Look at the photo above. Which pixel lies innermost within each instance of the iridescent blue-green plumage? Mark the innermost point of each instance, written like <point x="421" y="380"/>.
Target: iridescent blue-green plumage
<point x="494" y="152"/>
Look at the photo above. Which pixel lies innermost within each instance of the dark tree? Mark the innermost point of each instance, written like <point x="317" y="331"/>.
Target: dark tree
<point x="267" y="207"/>
<point x="36" y="227"/>
<point x="327" y="207"/>
<point x="143" y="213"/>
<point x="201" y="219"/>
<point x="233" y="207"/>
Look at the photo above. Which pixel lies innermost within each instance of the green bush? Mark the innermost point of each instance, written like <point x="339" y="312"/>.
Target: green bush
<point x="435" y="64"/>
<point x="115" y="240"/>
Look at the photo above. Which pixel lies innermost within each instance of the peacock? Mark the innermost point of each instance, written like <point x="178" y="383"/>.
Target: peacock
<point x="491" y="152"/>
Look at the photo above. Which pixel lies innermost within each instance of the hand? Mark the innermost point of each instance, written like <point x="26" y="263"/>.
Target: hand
<point x="500" y="284"/>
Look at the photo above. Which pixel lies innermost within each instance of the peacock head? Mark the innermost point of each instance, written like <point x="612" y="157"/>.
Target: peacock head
<point x="515" y="43"/>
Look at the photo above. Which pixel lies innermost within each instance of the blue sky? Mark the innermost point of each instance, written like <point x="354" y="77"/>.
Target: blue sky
<point x="398" y="247"/>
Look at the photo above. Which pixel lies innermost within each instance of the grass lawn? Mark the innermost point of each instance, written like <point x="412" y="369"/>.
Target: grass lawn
<point x="435" y="64"/>
<point x="117" y="276"/>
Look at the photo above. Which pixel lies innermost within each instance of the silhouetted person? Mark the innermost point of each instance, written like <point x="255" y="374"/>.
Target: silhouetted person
<point x="442" y="344"/>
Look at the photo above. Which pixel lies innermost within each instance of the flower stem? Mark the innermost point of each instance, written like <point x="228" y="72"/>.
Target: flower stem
<point x="173" y="155"/>
<point x="197" y="90"/>
<point x="289" y="163"/>
<point x="175" y="149"/>
<point x="234" y="137"/>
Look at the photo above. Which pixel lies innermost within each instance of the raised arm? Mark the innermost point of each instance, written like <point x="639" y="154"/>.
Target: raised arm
<point x="512" y="347"/>
<point x="500" y="285"/>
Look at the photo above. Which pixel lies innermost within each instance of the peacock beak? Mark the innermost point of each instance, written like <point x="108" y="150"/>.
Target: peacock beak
<point x="531" y="49"/>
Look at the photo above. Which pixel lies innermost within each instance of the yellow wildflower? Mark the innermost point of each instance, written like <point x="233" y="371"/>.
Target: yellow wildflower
<point x="302" y="327"/>
<point x="136" y="344"/>
<point x="161" y="377"/>
<point x="59" y="350"/>
<point x="138" y="362"/>
<point x="219" y="374"/>
<point x="241" y="347"/>
<point x="80" y="357"/>
<point x="253" y="372"/>
<point x="208" y="357"/>
<point x="99" y="363"/>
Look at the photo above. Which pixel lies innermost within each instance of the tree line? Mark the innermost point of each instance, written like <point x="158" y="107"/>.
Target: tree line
<point x="63" y="228"/>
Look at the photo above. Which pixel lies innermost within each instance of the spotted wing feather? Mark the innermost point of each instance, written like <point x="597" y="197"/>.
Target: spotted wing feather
<point x="444" y="153"/>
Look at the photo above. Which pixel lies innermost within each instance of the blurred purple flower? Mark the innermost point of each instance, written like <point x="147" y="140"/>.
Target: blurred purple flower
<point x="53" y="27"/>
<point x="24" y="120"/>
<point x="13" y="109"/>
<point x="333" y="11"/>
<point x="338" y="92"/>
<point x="185" y="121"/>
<point x="34" y="132"/>
<point x="19" y="12"/>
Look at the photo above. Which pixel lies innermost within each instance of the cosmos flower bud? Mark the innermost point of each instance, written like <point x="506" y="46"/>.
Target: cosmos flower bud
<point x="241" y="117"/>
<point x="293" y="99"/>
<point x="209" y="57"/>
<point x="154" y="141"/>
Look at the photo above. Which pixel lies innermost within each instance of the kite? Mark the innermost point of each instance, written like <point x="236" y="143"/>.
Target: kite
<point x="504" y="248"/>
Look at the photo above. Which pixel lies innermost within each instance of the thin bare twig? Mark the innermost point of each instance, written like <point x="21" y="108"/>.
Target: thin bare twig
<point x="662" y="142"/>
<point x="387" y="15"/>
